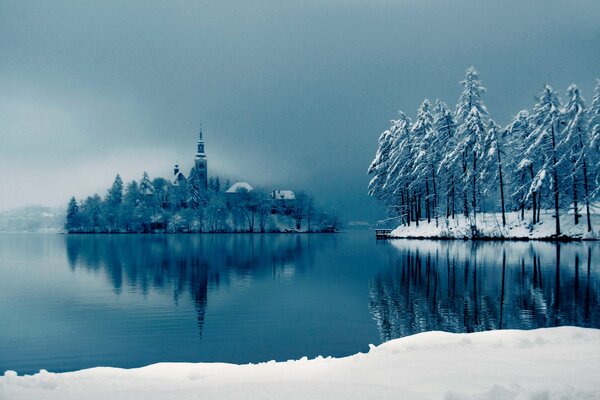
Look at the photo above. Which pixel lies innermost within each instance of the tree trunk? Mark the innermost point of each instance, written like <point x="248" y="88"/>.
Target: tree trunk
<point x="427" y="200"/>
<point x="465" y="182"/>
<point x="556" y="189"/>
<point x="474" y="207"/>
<point x="416" y="213"/>
<point x="453" y="199"/>
<point x="575" y="205"/>
<point x="534" y="201"/>
<point x="501" y="188"/>
<point x="435" y="205"/>
<point x="587" y="196"/>
<point x="539" y="206"/>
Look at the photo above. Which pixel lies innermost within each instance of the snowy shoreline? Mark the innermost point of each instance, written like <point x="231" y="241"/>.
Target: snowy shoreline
<point x="549" y="363"/>
<point x="489" y="227"/>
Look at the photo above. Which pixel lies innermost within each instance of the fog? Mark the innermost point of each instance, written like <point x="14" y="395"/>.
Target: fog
<point x="290" y="94"/>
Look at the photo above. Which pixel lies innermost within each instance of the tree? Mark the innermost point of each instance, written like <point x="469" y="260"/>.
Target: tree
<point x="73" y="222"/>
<point x="492" y="163"/>
<point x="574" y="146"/>
<point x="194" y="190"/>
<point x="398" y="180"/>
<point x="471" y="115"/>
<point x="520" y="138"/>
<point x="426" y="157"/>
<point x="594" y="124"/>
<point x="445" y="132"/>
<point x="113" y="201"/>
<point x="545" y="118"/>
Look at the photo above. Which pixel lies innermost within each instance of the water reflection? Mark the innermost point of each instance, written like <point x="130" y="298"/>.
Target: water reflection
<point x="476" y="286"/>
<point x="192" y="263"/>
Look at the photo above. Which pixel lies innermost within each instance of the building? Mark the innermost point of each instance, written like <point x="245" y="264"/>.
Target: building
<point x="283" y="195"/>
<point x="200" y="164"/>
<point x="239" y="187"/>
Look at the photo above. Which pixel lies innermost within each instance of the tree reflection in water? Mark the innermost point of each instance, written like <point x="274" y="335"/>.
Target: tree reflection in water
<point x="192" y="263"/>
<point x="475" y="286"/>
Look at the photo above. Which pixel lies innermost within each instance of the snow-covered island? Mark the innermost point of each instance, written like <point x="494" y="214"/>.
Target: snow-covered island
<point x="460" y="175"/>
<point x="195" y="204"/>
<point x="550" y="363"/>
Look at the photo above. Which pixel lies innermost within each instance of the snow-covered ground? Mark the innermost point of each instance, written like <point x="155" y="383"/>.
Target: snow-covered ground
<point x="489" y="225"/>
<point x="551" y="363"/>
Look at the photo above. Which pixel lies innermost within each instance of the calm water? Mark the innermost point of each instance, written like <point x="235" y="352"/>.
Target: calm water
<point x="71" y="302"/>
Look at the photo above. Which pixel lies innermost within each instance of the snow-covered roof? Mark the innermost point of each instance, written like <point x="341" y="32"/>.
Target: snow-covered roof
<point x="178" y="178"/>
<point x="283" y="195"/>
<point x="240" y="186"/>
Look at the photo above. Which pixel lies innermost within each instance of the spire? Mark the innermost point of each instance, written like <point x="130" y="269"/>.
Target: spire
<point x="200" y="152"/>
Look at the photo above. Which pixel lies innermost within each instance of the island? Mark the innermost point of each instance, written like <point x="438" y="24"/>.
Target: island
<point x="196" y="204"/>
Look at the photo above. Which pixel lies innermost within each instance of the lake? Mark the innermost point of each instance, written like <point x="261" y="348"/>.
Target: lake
<point x="76" y="301"/>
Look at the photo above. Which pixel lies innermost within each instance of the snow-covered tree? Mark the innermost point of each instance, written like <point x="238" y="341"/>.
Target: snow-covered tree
<point x="194" y="188"/>
<point x="574" y="146"/>
<point x="399" y="179"/>
<point x="594" y="153"/>
<point x="380" y="165"/>
<point x="491" y="168"/>
<point x="471" y="116"/>
<point x="424" y="177"/>
<point x="520" y="138"/>
<point x="73" y="220"/>
<point x="546" y="136"/>
<point x="445" y="140"/>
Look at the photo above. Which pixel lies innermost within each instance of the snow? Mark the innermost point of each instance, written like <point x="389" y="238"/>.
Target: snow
<point x="283" y="195"/>
<point x="489" y="225"/>
<point x="550" y="363"/>
<point x="236" y="187"/>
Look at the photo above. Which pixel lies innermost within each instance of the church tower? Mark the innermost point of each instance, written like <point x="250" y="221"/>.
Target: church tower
<point x="200" y="162"/>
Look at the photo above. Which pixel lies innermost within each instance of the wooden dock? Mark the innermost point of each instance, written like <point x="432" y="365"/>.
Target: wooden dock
<point x="383" y="234"/>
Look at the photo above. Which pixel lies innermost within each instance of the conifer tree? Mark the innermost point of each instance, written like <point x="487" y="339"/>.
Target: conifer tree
<point x="545" y="118"/>
<point x="492" y="163"/>
<point x="574" y="148"/>
<point x="73" y="222"/>
<point x="471" y="116"/>
<point x="194" y="199"/>
<point x="445" y="134"/>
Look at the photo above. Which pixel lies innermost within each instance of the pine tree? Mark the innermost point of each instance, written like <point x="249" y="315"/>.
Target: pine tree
<point x="115" y="193"/>
<point x="594" y="154"/>
<point x="445" y="132"/>
<point x="471" y="116"/>
<point x="520" y="138"/>
<point x="398" y="180"/>
<point x="425" y="157"/>
<point x="545" y="119"/>
<point x="492" y="163"/>
<point x="73" y="222"/>
<point x="574" y="148"/>
<point x="194" y="199"/>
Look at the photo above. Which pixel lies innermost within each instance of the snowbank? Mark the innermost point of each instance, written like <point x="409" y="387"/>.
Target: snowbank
<point x="489" y="225"/>
<point x="552" y="363"/>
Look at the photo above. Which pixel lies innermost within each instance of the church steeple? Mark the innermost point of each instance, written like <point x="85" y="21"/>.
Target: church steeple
<point x="200" y="161"/>
<point x="200" y="152"/>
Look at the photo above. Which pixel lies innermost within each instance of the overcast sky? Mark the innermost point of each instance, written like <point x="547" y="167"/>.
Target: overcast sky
<point x="291" y="94"/>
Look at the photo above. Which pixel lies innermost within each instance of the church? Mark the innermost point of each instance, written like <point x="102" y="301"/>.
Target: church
<point x="200" y="164"/>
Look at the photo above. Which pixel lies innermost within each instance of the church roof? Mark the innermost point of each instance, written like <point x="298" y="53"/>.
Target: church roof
<point x="178" y="178"/>
<point x="240" y="186"/>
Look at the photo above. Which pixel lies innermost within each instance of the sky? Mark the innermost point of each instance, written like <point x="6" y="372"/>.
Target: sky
<point x="291" y="95"/>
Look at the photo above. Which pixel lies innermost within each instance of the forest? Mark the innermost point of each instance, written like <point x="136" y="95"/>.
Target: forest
<point x="158" y="205"/>
<point x="449" y="163"/>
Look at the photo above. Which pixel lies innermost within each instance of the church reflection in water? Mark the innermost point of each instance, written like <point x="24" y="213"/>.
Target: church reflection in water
<point x="476" y="286"/>
<point x="189" y="263"/>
